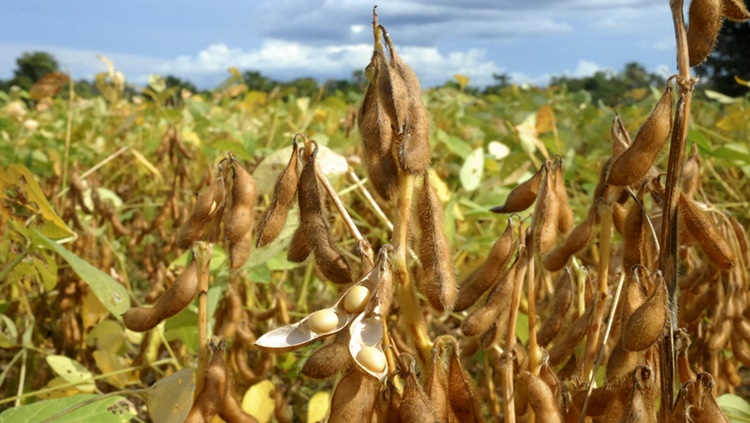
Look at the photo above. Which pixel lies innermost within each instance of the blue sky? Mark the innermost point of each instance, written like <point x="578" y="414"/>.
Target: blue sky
<point x="198" y="40"/>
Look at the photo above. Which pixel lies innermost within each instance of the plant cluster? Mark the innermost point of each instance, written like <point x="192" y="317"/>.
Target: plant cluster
<point x="625" y="301"/>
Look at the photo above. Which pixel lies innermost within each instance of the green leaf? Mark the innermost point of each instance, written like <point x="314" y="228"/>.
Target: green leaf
<point x="735" y="407"/>
<point x="72" y="371"/>
<point x="456" y="145"/>
<point x="114" y="409"/>
<point x="113" y="295"/>
<point x="19" y="178"/>
<point x="471" y="171"/>
<point x="722" y="98"/>
<point x="170" y="399"/>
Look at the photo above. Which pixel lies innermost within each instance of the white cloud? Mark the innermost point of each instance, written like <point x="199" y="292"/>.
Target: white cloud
<point x="277" y="56"/>
<point x="585" y="68"/>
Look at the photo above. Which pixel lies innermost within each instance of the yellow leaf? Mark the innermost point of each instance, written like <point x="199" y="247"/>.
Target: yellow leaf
<point x="234" y="72"/>
<point x="110" y="363"/>
<point x="147" y="164"/>
<point x="258" y="401"/>
<point x="441" y="188"/>
<point x="545" y="119"/>
<point x="741" y="81"/>
<point x="92" y="311"/>
<point x="462" y="80"/>
<point x="317" y="408"/>
<point x="254" y="99"/>
<point x="191" y="137"/>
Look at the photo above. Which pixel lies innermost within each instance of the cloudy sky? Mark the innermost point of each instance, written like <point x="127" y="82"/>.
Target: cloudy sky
<point x="529" y="40"/>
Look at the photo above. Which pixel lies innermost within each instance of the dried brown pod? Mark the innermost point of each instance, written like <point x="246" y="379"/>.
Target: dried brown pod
<point x="647" y="323"/>
<point x="741" y="234"/>
<point x="703" y="407"/>
<point x="415" y="405"/>
<point x="437" y="281"/>
<point x="436" y="386"/>
<point x="633" y="164"/>
<point x="354" y="398"/>
<point x="484" y="276"/>
<point x="206" y="405"/>
<point x="621" y="365"/>
<point x="565" y="220"/>
<point x="329" y="360"/>
<point x="300" y="247"/>
<point x="231" y="411"/>
<point x="174" y="299"/>
<point x="314" y="224"/>
<point x="576" y="240"/>
<point x="735" y="10"/>
<point x="462" y="392"/>
<point x="499" y="298"/>
<point x="413" y="134"/>
<point x="703" y="29"/>
<point x="240" y="216"/>
<point x="274" y="219"/>
<point x="641" y="406"/>
<point x="377" y="134"/>
<point x="208" y="206"/>
<point x="522" y="196"/>
<point x="563" y="298"/>
<point x="619" y="136"/>
<point x="545" y="214"/>
<point x="702" y="229"/>
<point x="541" y="399"/>
<point x="691" y="173"/>
<point x="564" y="346"/>
<point x="634" y="232"/>
<point x="740" y="349"/>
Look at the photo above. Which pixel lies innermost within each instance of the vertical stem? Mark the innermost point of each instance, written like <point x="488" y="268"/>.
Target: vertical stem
<point x="605" y="235"/>
<point x="202" y="252"/>
<point x="506" y="369"/>
<point x="407" y="293"/>
<point x="534" y="353"/>
<point x="68" y="133"/>
<point x="668" y="241"/>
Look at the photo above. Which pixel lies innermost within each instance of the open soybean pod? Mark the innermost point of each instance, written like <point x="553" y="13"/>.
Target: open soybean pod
<point x="437" y="281"/>
<point x="327" y="321"/>
<point x="490" y="271"/>
<point x="366" y="344"/>
<point x="702" y="229"/>
<point x="274" y="219"/>
<point x="522" y="196"/>
<point x="207" y="208"/>
<point x="633" y="164"/>
<point x="703" y="30"/>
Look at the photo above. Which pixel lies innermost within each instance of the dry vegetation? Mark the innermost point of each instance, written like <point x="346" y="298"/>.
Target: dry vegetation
<point x="616" y="294"/>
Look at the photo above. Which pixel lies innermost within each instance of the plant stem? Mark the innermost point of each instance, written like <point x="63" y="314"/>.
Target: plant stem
<point x="16" y="260"/>
<point x="605" y="235"/>
<point x="202" y="252"/>
<point x="407" y="293"/>
<point x="668" y="253"/>
<point x="339" y="205"/>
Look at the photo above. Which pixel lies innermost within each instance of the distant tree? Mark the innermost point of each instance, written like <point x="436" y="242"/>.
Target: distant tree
<point x="31" y="67"/>
<point x="608" y="87"/>
<point x="356" y="83"/>
<point x="174" y="81"/>
<point x="302" y="87"/>
<point x="502" y="81"/>
<point x="258" y="82"/>
<point x="730" y="57"/>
